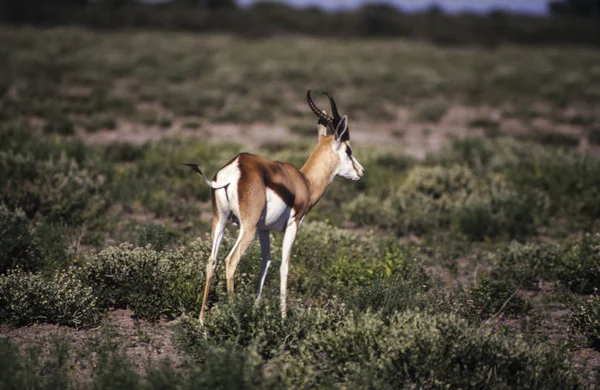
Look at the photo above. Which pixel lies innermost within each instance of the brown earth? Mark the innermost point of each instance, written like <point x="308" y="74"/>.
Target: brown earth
<point x="145" y="344"/>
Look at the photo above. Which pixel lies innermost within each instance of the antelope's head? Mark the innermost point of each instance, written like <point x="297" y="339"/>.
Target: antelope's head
<point x="338" y="144"/>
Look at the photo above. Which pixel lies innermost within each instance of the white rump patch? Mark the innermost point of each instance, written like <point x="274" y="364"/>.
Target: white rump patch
<point x="227" y="198"/>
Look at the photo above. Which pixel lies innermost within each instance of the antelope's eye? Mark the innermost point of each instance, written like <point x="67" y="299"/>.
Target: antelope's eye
<point x="348" y="150"/>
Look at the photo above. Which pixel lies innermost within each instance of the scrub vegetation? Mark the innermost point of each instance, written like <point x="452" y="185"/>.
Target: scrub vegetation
<point x="474" y="264"/>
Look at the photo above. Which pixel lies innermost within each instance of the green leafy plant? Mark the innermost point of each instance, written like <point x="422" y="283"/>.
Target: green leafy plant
<point x="422" y="350"/>
<point x="492" y="297"/>
<point x="17" y="241"/>
<point x="29" y="298"/>
<point x="573" y="263"/>
<point x="585" y="317"/>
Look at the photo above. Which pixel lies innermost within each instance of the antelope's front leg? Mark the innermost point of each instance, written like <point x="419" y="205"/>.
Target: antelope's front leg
<point x="288" y="242"/>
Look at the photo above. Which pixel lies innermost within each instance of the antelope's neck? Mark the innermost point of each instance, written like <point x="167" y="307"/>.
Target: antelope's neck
<point x="319" y="171"/>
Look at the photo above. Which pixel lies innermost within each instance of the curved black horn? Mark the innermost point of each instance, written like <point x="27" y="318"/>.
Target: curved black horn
<point x="316" y="110"/>
<point x="334" y="110"/>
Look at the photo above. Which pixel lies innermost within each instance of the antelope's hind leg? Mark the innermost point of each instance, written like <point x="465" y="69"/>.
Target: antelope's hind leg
<point x="218" y="229"/>
<point x="247" y="233"/>
<point x="265" y="247"/>
<point x="252" y="201"/>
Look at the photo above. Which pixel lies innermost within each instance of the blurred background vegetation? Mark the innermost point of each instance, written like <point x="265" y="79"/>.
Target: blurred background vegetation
<point x="569" y="21"/>
<point x="467" y="257"/>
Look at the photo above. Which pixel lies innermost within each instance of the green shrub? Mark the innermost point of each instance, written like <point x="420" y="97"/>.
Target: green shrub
<point x="42" y="247"/>
<point x="224" y="368"/>
<point x="184" y="285"/>
<point x="60" y="125"/>
<point x="490" y="297"/>
<point x="371" y="211"/>
<point x="53" y="241"/>
<point x="100" y="122"/>
<point x="580" y="268"/>
<point x="423" y="350"/>
<point x="429" y="194"/>
<point x="574" y="263"/>
<point x="124" y="152"/>
<point x="551" y="138"/>
<point x="585" y="317"/>
<point x="28" y="298"/>
<point x="155" y="235"/>
<point x="21" y="139"/>
<point x="220" y="368"/>
<point x="430" y="112"/>
<point x="153" y="283"/>
<point x="125" y="276"/>
<point x="498" y="209"/>
<point x="244" y="323"/>
<point x="571" y="181"/>
<point x="58" y="189"/>
<point x="526" y="264"/>
<point x="453" y="198"/>
<point x="26" y="369"/>
<point x="16" y="241"/>
<point x="593" y="135"/>
<point x="439" y="182"/>
<point x="410" y="291"/>
<point x="325" y="258"/>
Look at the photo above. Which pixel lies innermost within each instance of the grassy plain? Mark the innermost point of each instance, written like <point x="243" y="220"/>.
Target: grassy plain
<point x="469" y="256"/>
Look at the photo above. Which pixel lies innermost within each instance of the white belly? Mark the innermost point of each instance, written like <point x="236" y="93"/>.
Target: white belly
<point x="276" y="214"/>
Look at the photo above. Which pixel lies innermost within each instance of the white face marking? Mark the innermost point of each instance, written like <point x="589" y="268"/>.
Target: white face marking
<point x="349" y="167"/>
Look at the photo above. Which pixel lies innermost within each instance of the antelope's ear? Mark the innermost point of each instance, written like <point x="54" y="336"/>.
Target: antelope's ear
<point x="341" y="131"/>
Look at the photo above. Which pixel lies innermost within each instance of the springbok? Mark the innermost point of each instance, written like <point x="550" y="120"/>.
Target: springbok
<point x="262" y="195"/>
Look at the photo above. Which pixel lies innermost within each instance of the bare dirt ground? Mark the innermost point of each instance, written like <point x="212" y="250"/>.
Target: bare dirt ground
<point x="404" y="135"/>
<point x="145" y="344"/>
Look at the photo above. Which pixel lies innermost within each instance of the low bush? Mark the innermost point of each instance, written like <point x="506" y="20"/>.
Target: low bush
<point x="411" y="291"/>
<point x="59" y="125"/>
<point x="100" y="122"/>
<point x="490" y="297"/>
<point x="42" y="246"/>
<point x="55" y="245"/>
<point x="585" y="317"/>
<point x="453" y="198"/>
<point x="429" y="112"/>
<point x="154" y="283"/>
<point x="221" y="368"/>
<point x="422" y="350"/>
<point x="16" y="241"/>
<point x="499" y="209"/>
<point x="325" y="259"/>
<point x="170" y="282"/>
<point x="551" y="138"/>
<point x="28" y="298"/>
<point x="56" y="188"/>
<point x="155" y="235"/>
<point x="126" y="276"/>
<point x="574" y="263"/>
<point x="569" y="179"/>
<point x="26" y="369"/>
<point x="244" y="323"/>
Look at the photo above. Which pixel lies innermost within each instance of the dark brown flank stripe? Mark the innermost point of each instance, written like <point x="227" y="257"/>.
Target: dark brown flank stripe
<point x="282" y="178"/>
